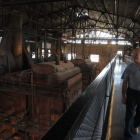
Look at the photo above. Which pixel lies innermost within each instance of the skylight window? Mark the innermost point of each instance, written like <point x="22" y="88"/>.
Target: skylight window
<point x="80" y="14"/>
<point x="97" y="37"/>
<point x="121" y="42"/>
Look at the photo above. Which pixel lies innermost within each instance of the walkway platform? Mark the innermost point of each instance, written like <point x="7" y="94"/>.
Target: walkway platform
<point x="117" y="111"/>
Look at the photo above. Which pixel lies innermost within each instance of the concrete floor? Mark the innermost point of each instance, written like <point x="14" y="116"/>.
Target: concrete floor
<point x="117" y="112"/>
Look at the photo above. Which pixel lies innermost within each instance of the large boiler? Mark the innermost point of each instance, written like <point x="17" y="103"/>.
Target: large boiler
<point x="33" y="100"/>
<point x="88" y="70"/>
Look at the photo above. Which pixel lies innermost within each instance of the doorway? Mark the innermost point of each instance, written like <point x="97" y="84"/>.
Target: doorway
<point x="119" y="52"/>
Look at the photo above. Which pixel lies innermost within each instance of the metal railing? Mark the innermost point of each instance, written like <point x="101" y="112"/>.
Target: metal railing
<point x="84" y="120"/>
<point x="29" y="122"/>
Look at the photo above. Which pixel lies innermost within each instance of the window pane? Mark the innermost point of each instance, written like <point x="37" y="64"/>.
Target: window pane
<point x="94" y="58"/>
<point x="33" y="54"/>
<point x="69" y="56"/>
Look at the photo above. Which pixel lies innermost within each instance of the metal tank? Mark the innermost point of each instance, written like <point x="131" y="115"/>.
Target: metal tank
<point x="41" y="71"/>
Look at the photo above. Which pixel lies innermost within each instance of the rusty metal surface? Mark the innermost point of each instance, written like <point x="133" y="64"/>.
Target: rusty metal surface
<point x="88" y="70"/>
<point x="59" y="77"/>
<point x="83" y="64"/>
<point x="75" y="88"/>
<point x="47" y="110"/>
<point x="87" y="65"/>
<point x="73" y="80"/>
<point x="34" y="108"/>
<point x="41" y="71"/>
<point x="50" y="67"/>
<point x="8" y="135"/>
<point x="80" y="61"/>
<point x="23" y="76"/>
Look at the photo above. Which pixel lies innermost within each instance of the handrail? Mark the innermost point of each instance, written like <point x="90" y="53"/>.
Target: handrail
<point x="69" y="126"/>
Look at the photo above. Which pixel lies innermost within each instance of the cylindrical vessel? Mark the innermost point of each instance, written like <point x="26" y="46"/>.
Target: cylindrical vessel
<point x="59" y="77"/>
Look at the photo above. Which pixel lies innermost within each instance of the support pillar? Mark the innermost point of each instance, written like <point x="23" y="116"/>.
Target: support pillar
<point x="56" y="44"/>
<point x="58" y="48"/>
<point x="17" y="40"/>
<point x="109" y="42"/>
<point x="45" y="48"/>
<point x="53" y="46"/>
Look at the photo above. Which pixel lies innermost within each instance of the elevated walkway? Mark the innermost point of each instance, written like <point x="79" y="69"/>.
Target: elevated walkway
<point x="117" y="110"/>
<point x="88" y="118"/>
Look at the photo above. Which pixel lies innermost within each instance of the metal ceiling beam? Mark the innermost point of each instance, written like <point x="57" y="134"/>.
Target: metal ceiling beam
<point x="81" y="19"/>
<point x="137" y="12"/>
<point x="106" y="19"/>
<point x="98" y="19"/>
<point x="40" y="11"/>
<point x="17" y="2"/>
<point x="96" y="5"/>
<point x="61" y="10"/>
<point x="125" y="17"/>
<point x="97" y="9"/>
<point x="126" y="27"/>
<point x="85" y="27"/>
<point x="107" y="11"/>
<point x="118" y="14"/>
<point x="26" y="11"/>
<point x="93" y="28"/>
<point x="125" y="10"/>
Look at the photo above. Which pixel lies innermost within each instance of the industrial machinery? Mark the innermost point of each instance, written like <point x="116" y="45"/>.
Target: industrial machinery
<point x="88" y="70"/>
<point x="33" y="100"/>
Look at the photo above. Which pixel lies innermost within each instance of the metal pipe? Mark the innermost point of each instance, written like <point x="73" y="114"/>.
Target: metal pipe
<point x="6" y="3"/>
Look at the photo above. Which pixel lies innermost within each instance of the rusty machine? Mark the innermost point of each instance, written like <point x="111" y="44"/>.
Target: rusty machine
<point x="33" y="100"/>
<point x="32" y="96"/>
<point x="88" y="70"/>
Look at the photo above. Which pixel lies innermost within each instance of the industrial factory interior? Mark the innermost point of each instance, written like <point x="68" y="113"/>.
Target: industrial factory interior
<point x="60" y="75"/>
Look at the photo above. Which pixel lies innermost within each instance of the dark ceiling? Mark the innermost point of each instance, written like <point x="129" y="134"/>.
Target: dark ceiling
<point x="120" y="17"/>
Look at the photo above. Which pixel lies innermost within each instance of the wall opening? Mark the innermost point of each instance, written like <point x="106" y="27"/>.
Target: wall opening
<point x="119" y="52"/>
<point x="68" y="56"/>
<point x="94" y="58"/>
